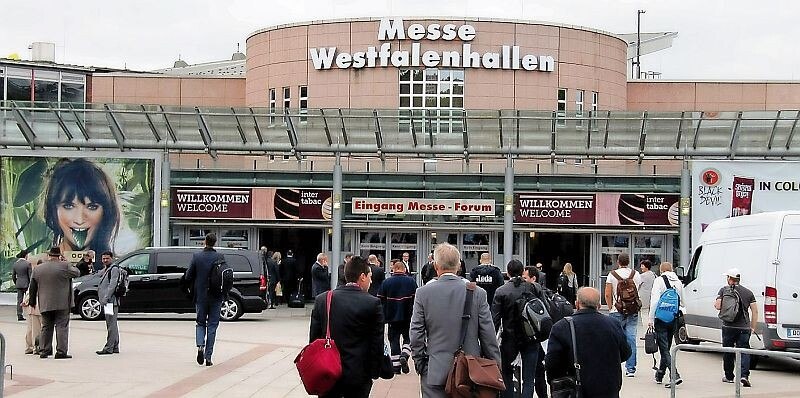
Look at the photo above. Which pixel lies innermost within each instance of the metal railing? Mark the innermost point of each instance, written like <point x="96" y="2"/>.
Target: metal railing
<point x="737" y="370"/>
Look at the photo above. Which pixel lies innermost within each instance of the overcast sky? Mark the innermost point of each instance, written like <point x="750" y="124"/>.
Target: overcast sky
<point x="717" y="39"/>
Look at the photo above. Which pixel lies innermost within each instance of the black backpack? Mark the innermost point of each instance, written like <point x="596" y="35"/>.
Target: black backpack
<point x="220" y="279"/>
<point x="558" y="306"/>
<point x="533" y="322"/>
<point x="122" y="282"/>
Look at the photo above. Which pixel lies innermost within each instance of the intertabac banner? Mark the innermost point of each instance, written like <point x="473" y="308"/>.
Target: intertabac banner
<point x="597" y="209"/>
<point x="722" y="189"/>
<point x="77" y="204"/>
<point x="439" y="207"/>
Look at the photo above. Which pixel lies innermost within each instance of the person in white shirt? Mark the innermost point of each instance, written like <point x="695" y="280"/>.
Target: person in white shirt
<point x="630" y="321"/>
<point x="664" y="330"/>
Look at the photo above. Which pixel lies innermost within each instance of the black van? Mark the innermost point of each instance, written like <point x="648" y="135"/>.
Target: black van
<point x="155" y="275"/>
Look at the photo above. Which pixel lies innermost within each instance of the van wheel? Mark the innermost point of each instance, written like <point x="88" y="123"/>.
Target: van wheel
<point x="90" y="308"/>
<point x="682" y="337"/>
<point x="231" y="310"/>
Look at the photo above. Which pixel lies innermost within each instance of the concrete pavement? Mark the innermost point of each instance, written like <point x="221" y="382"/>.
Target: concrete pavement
<point x="254" y="358"/>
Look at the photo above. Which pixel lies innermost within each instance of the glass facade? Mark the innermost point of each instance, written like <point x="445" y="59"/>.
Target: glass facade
<point x="436" y="94"/>
<point x="27" y="84"/>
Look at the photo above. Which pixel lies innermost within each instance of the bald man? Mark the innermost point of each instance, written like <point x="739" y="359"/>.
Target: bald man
<point x="487" y="276"/>
<point x="602" y="347"/>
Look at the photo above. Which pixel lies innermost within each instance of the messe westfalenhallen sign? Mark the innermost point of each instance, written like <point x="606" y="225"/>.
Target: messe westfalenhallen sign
<point x="722" y="189"/>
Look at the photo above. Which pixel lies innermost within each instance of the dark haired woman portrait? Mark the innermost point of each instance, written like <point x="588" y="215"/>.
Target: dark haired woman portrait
<point x="81" y="207"/>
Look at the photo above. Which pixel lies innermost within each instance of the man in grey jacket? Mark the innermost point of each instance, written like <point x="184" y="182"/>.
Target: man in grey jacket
<point x="435" y="330"/>
<point x="106" y="291"/>
<point x="21" y="276"/>
<point x="51" y="292"/>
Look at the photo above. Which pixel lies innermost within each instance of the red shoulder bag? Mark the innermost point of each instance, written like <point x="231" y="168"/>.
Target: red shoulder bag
<point x="319" y="363"/>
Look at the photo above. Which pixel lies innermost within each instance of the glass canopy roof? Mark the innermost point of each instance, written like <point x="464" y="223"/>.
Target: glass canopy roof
<point x="382" y="132"/>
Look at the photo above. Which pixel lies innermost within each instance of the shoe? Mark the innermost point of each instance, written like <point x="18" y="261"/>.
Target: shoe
<point x="659" y="378"/>
<point x="200" y="355"/>
<point x="62" y="356"/>
<point x="115" y="351"/>
<point x="103" y="352"/>
<point x="745" y="381"/>
<point x="28" y="352"/>
<point x="272" y="307"/>
<point x="44" y="355"/>
<point x="628" y="373"/>
<point x="404" y="364"/>
<point x="678" y="382"/>
<point x="726" y="380"/>
<point x="20" y="318"/>
<point x="208" y="362"/>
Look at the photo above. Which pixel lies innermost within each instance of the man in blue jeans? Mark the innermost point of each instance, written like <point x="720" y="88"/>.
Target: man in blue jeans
<point x="631" y="320"/>
<point x="207" y="304"/>
<point x="737" y="333"/>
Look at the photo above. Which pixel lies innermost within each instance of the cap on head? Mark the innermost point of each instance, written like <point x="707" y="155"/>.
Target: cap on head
<point x="733" y="273"/>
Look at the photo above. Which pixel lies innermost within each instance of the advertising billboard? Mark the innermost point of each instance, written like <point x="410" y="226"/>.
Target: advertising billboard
<point x="597" y="209"/>
<point x="77" y="204"/>
<point x="722" y="189"/>
<point x="251" y="203"/>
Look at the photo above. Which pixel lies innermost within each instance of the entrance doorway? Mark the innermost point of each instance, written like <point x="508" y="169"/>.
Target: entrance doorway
<point x="554" y="249"/>
<point x="306" y="243"/>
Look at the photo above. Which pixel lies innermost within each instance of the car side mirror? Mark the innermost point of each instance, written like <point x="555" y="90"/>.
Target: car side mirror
<point x="680" y="272"/>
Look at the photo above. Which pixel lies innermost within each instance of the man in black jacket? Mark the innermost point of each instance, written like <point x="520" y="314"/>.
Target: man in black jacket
<point x="602" y="347"/>
<point x="207" y="303"/>
<point x="378" y="275"/>
<point x="505" y="311"/>
<point x="397" y="297"/>
<point x="356" y="327"/>
<point x="320" y="275"/>
<point x="289" y="275"/>
<point x="487" y="276"/>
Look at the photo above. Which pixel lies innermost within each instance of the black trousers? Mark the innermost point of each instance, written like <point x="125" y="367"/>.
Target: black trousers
<point x="342" y="390"/>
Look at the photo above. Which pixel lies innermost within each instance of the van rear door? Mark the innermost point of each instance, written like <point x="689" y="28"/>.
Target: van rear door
<point x="787" y="280"/>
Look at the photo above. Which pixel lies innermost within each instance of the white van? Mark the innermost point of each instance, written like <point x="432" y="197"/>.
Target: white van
<point x="766" y="249"/>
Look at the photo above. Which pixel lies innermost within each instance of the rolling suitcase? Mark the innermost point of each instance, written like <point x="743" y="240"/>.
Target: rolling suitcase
<point x="297" y="299"/>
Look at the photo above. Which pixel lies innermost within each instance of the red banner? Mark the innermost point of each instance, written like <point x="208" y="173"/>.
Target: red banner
<point x="742" y="201"/>
<point x="555" y="209"/>
<point x="212" y="203"/>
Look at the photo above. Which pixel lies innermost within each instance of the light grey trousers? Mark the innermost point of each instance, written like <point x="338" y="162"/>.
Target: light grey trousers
<point x="112" y="340"/>
<point x="429" y="391"/>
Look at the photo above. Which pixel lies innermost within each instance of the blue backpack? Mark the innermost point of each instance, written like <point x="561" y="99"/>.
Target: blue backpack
<point x="668" y="304"/>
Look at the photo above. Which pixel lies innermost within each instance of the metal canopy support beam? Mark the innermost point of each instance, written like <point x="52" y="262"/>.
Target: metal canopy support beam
<point x="78" y="121"/>
<point x="256" y="126"/>
<point x="413" y="131"/>
<point x="589" y="129"/>
<point x="508" y="212"/>
<point x="204" y="133"/>
<point x="24" y="125"/>
<point x="464" y="133"/>
<point x="61" y="123"/>
<point x="168" y="124"/>
<point x="772" y="133"/>
<point x="518" y="127"/>
<point x="735" y="134"/>
<point x="680" y="132"/>
<point x="290" y="131"/>
<point x="153" y="129"/>
<point x="327" y="130"/>
<point x="684" y="220"/>
<point x="378" y="135"/>
<point x="553" y="139"/>
<point x="791" y="132"/>
<point x="500" y="126"/>
<point x="116" y="129"/>
<point x="427" y="120"/>
<point x="605" y="136"/>
<point x="642" y="136"/>
<point x="697" y="130"/>
<point x="239" y="126"/>
<point x="336" y="221"/>
<point x="344" y="130"/>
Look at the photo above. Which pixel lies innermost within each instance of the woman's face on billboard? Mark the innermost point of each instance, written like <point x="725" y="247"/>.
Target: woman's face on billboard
<point x="79" y="220"/>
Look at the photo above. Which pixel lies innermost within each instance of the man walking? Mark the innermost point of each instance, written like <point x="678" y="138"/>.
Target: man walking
<point x="356" y="324"/>
<point x="21" y="276"/>
<point x="436" y="323"/>
<point x="273" y="275"/>
<point x="397" y="297"/>
<point x="51" y="292"/>
<point x="320" y="275"/>
<point x="378" y="274"/>
<point x="664" y="330"/>
<point x="736" y="329"/>
<point x="601" y="346"/>
<point x="541" y="276"/>
<point x="207" y="303"/>
<point x="107" y="293"/>
<point x="648" y="278"/>
<point x="487" y="276"/>
<point x="289" y="275"/>
<point x="625" y="298"/>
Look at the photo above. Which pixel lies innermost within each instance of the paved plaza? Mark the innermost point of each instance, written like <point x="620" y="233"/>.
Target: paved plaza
<point x="254" y="358"/>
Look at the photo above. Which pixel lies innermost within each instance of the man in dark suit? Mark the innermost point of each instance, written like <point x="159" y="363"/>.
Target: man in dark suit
<point x="207" y="303"/>
<point x="436" y="323"/>
<point x="397" y="297"/>
<point x="340" y="274"/>
<point x="601" y="373"/>
<point x="51" y="292"/>
<point x="21" y="275"/>
<point x="320" y="275"/>
<point x="356" y="327"/>
<point x="289" y="275"/>
<point x="378" y="275"/>
<point x="273" y="276"/>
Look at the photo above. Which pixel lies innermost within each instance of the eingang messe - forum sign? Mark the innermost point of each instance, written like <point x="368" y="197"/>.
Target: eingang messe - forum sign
<point x="509" y="57"/>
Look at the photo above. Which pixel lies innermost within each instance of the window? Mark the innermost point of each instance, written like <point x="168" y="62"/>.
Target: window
<point x="238" y="262"/>
<point x="19" y="89"/>
<point x="138" y="264"/>
<point x="595" y="100"/>
<point x="434" y="93"/>
<point x="272" y="105"/>
<point x="579" y="95"/>
<point x="172" y="262"/>
<point x="73" y="92"/>
<point x="561" y="110"/>
<point x="287" y="100"/>
<point x="303" y="98"/>
<point x="44" y="90"/>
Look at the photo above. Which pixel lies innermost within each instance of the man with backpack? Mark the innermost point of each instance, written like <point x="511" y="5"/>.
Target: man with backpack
<point x="508" y="310"/>
<point x="622" y="299"/>
<point x="207" y="298"/>
<point x="739" y="314"/>
<point x="107" y="292"/>
<point x="666" y="300"/>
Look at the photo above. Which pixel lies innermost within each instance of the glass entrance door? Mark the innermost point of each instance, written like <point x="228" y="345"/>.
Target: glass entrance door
<point x="640" y="247"/>
<point x="388" y="245"/>
<point x="403" y="243"/>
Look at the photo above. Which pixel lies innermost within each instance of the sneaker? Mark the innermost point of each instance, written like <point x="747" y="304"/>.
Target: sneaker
<point x="659" y="378"/>
<point x="745" y="381"/>
<point x="628" y="373"/>
<point x="404" y="364"/>
<point x="678" y="382"/>
<point x="200" y="355"/>
<point x="726" y="380"/>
